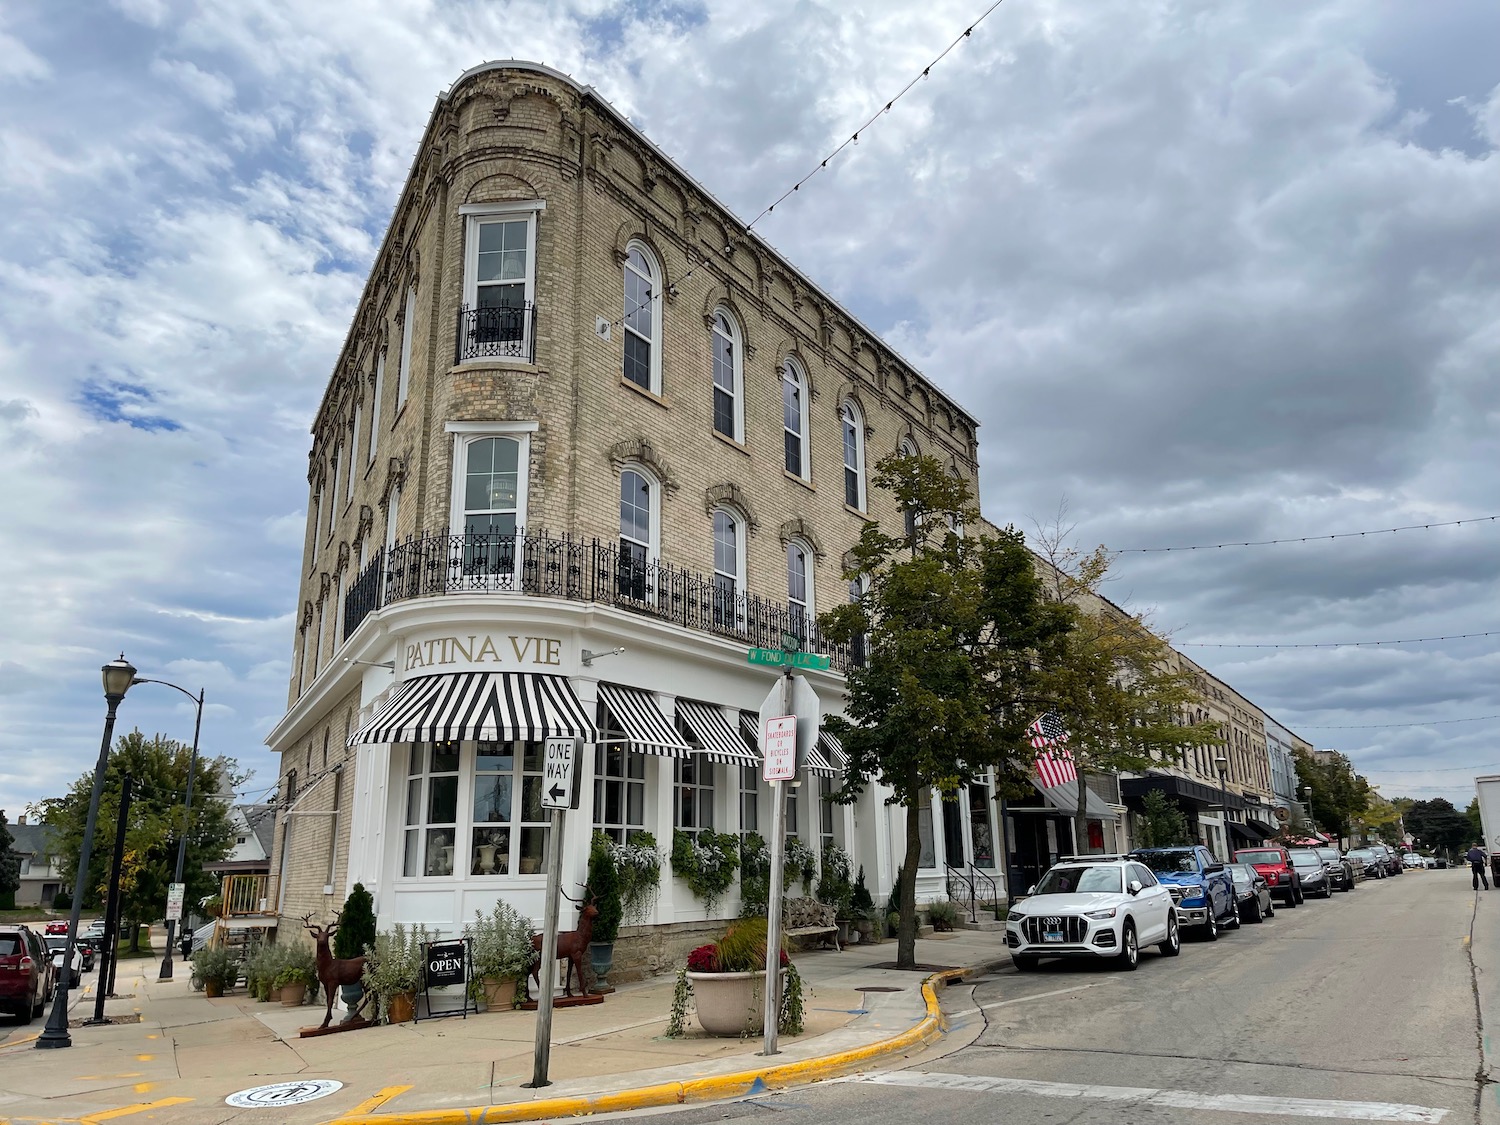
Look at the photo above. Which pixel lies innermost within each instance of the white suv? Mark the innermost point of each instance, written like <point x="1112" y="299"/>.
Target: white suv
<point x="1093" y="906"/>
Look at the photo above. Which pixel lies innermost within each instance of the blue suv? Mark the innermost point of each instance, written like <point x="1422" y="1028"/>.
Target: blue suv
<point x="1201" y="886"/>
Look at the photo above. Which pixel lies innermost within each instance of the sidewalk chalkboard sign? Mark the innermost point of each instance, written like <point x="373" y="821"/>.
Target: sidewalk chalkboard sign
<point x="446" y="964"/>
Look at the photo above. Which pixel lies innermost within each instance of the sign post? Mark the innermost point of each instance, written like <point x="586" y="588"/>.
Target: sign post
<point x="557" y="795"/>
<point x="780" y="766"/>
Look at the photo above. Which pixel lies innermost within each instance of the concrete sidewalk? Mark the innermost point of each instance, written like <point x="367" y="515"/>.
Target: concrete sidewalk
<point x="188" y="1053"/>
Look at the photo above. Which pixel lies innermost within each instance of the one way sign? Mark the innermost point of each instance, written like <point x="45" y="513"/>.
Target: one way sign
<point x="557" y="776"/>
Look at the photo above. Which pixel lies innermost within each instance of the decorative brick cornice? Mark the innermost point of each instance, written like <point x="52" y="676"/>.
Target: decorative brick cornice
<point x="729" y="495"/>
<point x="640" y="449"/>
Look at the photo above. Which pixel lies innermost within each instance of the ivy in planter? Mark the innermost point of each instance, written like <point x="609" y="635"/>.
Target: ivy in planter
<point x="706" y="864"/>
<point x="798" y="865"/>
<point x="742" y="949"/>
<point x="638" y="866"/>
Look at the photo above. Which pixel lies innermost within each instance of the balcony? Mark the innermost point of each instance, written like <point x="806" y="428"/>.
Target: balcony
<point x="506" y="332"/>
<point x="243" y="895"/>
<point x="592" y="570"/>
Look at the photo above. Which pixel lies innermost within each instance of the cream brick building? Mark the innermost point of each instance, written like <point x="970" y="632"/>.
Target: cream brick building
<point x="579" y="408"/>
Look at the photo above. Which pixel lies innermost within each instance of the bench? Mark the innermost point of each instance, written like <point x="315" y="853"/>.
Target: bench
<point x="809" y="918"/>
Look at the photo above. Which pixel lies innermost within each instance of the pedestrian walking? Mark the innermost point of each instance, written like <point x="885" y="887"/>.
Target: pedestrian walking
<point x="1477" y="862"/>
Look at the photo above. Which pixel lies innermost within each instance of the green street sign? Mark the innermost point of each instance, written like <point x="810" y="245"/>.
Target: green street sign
<point x="779" y="658"/>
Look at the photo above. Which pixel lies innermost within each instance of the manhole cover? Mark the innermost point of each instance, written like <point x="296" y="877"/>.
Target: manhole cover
<point x="878" y="988"/>
<point x="279" y="1094"/>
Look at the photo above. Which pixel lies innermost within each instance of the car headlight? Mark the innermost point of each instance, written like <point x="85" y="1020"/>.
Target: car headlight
<point x="1014" y="916"/>
<point x="1100" y="915"/>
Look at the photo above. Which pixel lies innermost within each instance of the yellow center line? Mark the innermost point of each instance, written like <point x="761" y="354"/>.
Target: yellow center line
<point x="126" y="1111"/>
<point x="370" y="1105"/>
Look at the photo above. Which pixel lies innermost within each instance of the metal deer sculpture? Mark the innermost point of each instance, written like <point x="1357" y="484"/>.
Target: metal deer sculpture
<point x="571" y="945"/>
<point x="334" y="971"/>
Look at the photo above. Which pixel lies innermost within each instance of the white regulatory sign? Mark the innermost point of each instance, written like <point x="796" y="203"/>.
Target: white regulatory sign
<point x="174" y="900"/>
<point x="278" y="1095"/>
<point x="557" y="775"/>
<point x="779" y="741"/>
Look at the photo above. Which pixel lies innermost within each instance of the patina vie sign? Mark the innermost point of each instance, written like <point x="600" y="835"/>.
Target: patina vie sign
<point x="480" y="650"/>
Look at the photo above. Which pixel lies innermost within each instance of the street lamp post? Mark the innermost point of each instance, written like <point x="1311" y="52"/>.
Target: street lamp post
<point x="187" y="812"/>
<point x="1223" y="764"/>
<point x="118" y="676"/>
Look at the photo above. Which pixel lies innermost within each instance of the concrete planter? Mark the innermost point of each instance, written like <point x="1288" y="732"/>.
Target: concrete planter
<point x="601" y="959"/>
<point x="731" y="1003"/>
<point x="293" y="995"/>
<point x="499" y="993"/>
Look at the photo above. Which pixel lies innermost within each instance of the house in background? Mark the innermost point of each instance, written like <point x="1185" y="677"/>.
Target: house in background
<point x="41" y="867"/>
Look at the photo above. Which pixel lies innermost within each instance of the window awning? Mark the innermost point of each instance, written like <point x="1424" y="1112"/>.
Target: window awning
<point x="825" y="759"/>
<point x="833" y="750"/>
<point x="646" y="728"/>
<point x="487" y="706"/>
<point x="717" y="740"/>
<point x="1064" y="798"/>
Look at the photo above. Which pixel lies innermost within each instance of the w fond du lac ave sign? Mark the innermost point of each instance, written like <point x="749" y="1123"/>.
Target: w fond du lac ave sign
<point x="780" y="658"/>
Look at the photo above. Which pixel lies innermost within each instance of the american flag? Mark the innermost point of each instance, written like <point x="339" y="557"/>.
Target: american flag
<point x="1054" y="765"/>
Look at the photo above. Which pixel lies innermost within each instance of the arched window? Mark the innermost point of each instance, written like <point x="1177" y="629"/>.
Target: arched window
<point x="489" y="490"/>
<point x="729" y="570"/>
<point x="794" y="417"/>
<point x="854" y="456"/>
<point x="955" y="523"/>
<point x="638" y="532"/>
<point x="729" y="377"/>
<point x="799" y="586"/>
<point x="642" y="319"/>
<point x="859" y="585"/>
<point x="909" y="516"/>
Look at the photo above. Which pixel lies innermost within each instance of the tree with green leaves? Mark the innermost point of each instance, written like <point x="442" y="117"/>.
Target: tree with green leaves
<point x="10" y="867"/>
<point x="1338" y="794"/>
<point x="159" y="767"/>
<point x="1119" y="690"/>
<point x="1476" y="822"/>
<point x="954" y="627"/>
<point x="1163" y="824"/>
<point x="1438" y="824"/>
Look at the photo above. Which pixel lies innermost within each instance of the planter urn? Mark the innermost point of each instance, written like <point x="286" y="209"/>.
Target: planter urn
<point x="213" y="989"/>
<point x="601" y="959"/>
<point x="401" y="1008"/>
<point x="351" y="995"/>
<point x="292" y="995"/>
<point x="731" y="1003"/>
<point x="499" y="993"/>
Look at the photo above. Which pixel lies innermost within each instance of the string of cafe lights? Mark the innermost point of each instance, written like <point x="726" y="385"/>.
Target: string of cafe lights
<point x="851" y="140"/>
<point x="1335" y="644"/>
<point x="1306" y="538"/>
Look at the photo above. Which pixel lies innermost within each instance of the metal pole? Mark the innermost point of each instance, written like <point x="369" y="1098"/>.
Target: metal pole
<point x="1010" y="891"/>
<point x="1224" y="810"/>
<point x="547" y="972"/>
<point x="56" y="1033"/>
<point x="187" y="811"/>
<point x="773" y="898"/>
<point x="110" y="945"/>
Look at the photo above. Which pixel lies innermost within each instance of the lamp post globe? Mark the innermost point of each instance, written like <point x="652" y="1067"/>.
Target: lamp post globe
<point x="118" y="675"/>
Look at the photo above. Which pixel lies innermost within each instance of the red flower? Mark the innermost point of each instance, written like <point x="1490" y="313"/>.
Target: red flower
<point x="704" y="959"/>
<point x="785" y="960"/>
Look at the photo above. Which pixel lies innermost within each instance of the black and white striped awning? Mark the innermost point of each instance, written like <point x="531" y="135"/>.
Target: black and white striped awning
<point x="819" y="760"/>
<point x="487" y="706"/>
<point x="717" y="740"/>
<point x="646" y="729"/>
<point x="833" y="750"/>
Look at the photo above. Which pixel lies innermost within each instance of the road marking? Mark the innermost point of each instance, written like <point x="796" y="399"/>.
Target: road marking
<point x="371" y="1104"/>
<point x="1045" y="995"/>
<point x="1169" y="1099"/>
<point x="126" y="1111"/>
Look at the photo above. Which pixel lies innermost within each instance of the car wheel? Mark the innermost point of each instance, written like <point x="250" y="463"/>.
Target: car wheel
<point x="1211" y="930"/>
<point x="1297" y="896"/>
<point x="27" y="1012"/>
<point x="1270" y="910"/>
<point x="1327" y="891"/>
<point x="1173" y="945"/>
<point x="1130" y="951"/>
<point x="1024" y="964"/>
<point x="1255" y="913"/>
<point x="1291" y="900"/>
<point x="1233" y="921"/>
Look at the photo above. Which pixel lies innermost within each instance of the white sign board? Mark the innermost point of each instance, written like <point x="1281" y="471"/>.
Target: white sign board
<point x="279" y="1095"/>
<point x="778" y="741"/>
<point x="174" y="899"/>
<point x="557" y="774"/>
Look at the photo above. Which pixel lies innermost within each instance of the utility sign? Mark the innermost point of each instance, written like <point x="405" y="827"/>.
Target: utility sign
<point x="779" y="742"/>
<point x="557" y="774"/>
<point x="174" y="899"/>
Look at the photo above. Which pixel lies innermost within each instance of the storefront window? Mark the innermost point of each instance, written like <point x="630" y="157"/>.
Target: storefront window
<point x="981" y="832"/>
<point x="503" y="839"/>
<point x="825" y="813"/>
<point x="924" y="830"/>
<point x="619" y="790"/>
<point x="695" y="794"/>
<point x="431" y="809"/>
<point x="749" y="799"/>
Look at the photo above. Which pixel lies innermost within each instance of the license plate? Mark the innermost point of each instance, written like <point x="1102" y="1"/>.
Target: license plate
<point x="1052" y="935"/>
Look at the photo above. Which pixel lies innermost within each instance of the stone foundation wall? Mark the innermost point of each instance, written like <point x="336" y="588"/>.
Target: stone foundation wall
<point x="649" y="951"/>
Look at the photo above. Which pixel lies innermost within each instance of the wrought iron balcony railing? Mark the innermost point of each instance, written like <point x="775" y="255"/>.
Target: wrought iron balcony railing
<point x="585" y="570"/>
<point x="508" y="332"/>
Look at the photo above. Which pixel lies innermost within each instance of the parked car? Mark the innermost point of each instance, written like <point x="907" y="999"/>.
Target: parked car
<point x="1202" y="889"/>
<point x="94" y="929"/>
<point x="90" y="950"/>
<point x="1411" y="859"/>
<point x="1252" y="893"/>
<point x="1390" y="856"/>
<point x="1357" y="865"/>
<point x="25" y="972"/>
<point x="1310" y="871"/>
<point x="57" y="948"/>
<point x="1432" y="862"/>
<point x="1275" y="865"/>
<point x="1374" y="861"/>
<point x="1340" y="874"/>
<point x="1104" y="906"/>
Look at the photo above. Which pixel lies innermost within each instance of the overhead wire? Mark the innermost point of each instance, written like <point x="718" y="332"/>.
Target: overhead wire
<point x="1387" y="726"/>
<point x="1333" y="644"/>
<point x="1306" y="538"/>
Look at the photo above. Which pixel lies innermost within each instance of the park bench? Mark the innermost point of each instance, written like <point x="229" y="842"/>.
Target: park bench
<point x="809" y="919"/>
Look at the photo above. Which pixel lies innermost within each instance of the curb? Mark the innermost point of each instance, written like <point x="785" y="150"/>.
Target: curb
<point x="927" y="1030"/>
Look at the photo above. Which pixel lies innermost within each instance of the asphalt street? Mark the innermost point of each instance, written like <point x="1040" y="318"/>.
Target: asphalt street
<point x="1363" y="1007"/>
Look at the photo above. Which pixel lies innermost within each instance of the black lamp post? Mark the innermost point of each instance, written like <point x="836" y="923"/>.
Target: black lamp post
<point x="1223" y="764"/>
<point x="118" y="676"/>
<point x="187" y="812"/>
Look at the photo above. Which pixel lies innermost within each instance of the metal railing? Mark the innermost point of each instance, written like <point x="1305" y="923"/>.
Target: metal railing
<point x="508" y="332"/>
<point x="587" y="570"/>
<point x="964" y="885"/>
<point x="244" y="894"/>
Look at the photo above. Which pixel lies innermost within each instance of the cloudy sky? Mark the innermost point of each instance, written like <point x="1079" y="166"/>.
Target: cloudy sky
<point x="1205" y="271"/>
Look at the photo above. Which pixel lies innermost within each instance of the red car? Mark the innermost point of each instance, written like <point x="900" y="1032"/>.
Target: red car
<point x="1276" y="866"/>
<point x="54" y="928"/>
<point x="25" y="973"/>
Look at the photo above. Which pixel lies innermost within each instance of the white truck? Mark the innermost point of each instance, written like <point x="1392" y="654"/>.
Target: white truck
<point x="1488" y="788"/>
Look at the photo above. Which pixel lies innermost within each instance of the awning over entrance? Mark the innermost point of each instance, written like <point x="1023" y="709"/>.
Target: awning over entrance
<point x="1250" y="832"/>
<point x="717" y="740"/>
<point x="487" y="706"/>
<point x="1134" y="789"/>
<point x="646" y="728"/>
<point x="1064" y="798"/>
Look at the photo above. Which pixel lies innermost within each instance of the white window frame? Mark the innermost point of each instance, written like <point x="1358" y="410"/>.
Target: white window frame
<point x="909" y="522"/>
<point x="808" y="608"/>
<point x="657" y="293"/>
<point x="748" y="792"/>
<point x="375" y="404"/>
<point x="392" y="510"/>
<point x="476" y="215"/>
<point x="791" y="372"/>
<point x="353" y="452"/>
<point x="653" y="520"/>
<point x="408" y="329"/>
<point x="736" y="339"/>
<point x="317" y="528"/>
<point x="737" y="522"/>
<point x="703" y="784"/>
<point x="335" y="463"/>
<point x="850" y="418"/>
<point x="465" y="434"/>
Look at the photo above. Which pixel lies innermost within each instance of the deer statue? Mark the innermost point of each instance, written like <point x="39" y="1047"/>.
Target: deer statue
<point x="571" y="946"/>
<point x="334" y="971"/>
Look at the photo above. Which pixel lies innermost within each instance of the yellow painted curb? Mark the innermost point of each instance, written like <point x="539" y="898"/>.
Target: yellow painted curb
<point x="926" y="1030"/>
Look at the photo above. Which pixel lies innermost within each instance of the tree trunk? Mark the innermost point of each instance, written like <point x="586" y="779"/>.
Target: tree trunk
<point x="906" y="933"/>
<point x="135" y="936"/>
<point x="1081" y="819"/>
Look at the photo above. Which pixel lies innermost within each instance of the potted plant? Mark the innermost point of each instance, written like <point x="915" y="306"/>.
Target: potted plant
<point x="638" y="867"/>
<point x="799" y="864"/>
<point x="862" y="909"/>
<point x="393" y="971"/>
<point x="604" y="886"/>
<point x="356" y="931"/>
<point x="214" y="970"/>
<point x="724" y="980"/>
<point x="834" y="888"/>
<point x="706" y="863"/>
<point x="502" y="953"/>
<point x="943" y="914"/>
<point x="261" y="968"/>
<point x="212" y="906"/>
<point x="299" y="969"/>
